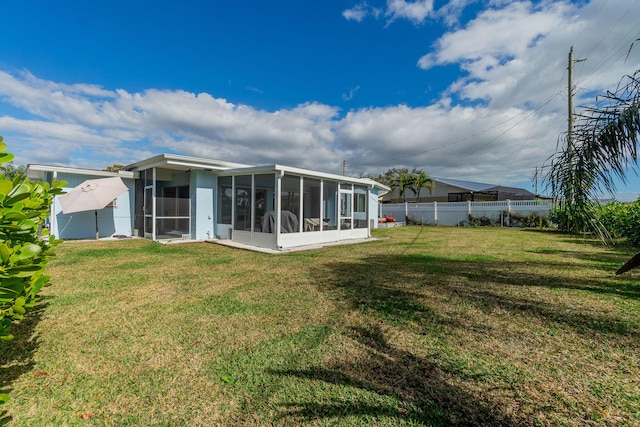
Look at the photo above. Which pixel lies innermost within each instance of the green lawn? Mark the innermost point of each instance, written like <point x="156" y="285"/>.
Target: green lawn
<point x="428" y="326"/>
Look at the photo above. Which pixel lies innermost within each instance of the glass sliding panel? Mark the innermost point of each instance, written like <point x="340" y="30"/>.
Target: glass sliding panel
<point x="225" y="199"/>
<point x="265" y="206"/>
<point x="360" y="207"/>
<point x="290" y="202"/>
<point x="330" y="205"/>
<point x="311" y="200"/>
<point x="243" y="203"/>
<point x="345" y="210"/>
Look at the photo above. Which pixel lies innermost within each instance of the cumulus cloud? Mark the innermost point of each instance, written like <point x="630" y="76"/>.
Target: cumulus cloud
<point x="415" y="11"/>
<point x="356" y="13"/>
<point x="497" y="122"/>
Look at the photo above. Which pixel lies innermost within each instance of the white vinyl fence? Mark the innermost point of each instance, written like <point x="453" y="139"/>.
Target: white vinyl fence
<point x="508" y="213"/>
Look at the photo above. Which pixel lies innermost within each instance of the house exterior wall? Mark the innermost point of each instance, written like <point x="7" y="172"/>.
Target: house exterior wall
<point x="373" y="208"/>
<point x="184" y="204"/>
<point x="112" y="221"/>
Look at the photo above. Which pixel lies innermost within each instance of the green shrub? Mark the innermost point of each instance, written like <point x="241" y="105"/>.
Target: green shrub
<point x="25" y="245"/>
<point x="561" y="218"/>
<point x="621" y="220"/>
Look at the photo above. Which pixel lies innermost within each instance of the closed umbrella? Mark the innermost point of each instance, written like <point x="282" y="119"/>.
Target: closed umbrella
<point x="92" y="195"/>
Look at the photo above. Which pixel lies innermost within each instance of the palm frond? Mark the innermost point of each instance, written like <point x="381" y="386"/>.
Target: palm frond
<point x="604" y="145"/>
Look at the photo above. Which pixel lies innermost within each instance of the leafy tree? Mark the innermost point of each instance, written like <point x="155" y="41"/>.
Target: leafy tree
<point x="602" y="148"/>
<point x="11" y="171"/>
<point x="421" y="180"/>
<point x="25" y="246"/>
<point x="114" y="168"/>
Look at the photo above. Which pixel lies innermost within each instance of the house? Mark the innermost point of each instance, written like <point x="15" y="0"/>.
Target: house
<point x="455" y="190"/>
<point x="178" y="197"/>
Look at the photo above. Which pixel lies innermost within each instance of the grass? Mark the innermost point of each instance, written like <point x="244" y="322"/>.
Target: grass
<point x="430" y="326"/>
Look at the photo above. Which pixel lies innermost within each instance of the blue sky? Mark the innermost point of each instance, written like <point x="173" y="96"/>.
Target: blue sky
<point x="462" y="89"/>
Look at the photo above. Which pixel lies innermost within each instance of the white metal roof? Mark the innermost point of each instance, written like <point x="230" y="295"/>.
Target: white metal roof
<point x="174" y="161"/>
<point x="36" y="171"/>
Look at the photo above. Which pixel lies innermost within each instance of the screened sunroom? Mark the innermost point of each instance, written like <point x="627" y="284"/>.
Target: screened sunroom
<point x="278" y="207"/>
<point x="275" y="206"/>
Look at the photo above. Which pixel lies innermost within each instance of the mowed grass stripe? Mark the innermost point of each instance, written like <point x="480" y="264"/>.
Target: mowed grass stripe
<point x="429" y="326"/>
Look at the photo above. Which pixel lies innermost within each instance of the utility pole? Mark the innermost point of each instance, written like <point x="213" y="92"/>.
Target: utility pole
<point x="570" y="102"/>
<point x="570" y="99"/>
<point x="344" y="168"/>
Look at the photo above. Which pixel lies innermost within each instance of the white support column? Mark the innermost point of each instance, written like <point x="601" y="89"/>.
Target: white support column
<point x="435" y="213"/>
<point x="252" y="218"/>
<point x="52" y="217"/>
<point x="153" y="208"/>
<point x="278" y="209"/>
<point x="321" y="222"/>
<point x="366" y="206"/>
<point x="301" y="206"/>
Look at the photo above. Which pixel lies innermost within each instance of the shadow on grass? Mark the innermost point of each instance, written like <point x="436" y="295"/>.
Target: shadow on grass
<point x="17" y="355"/>
<point x="422" y="389"/>
<point x="406" y="291"/>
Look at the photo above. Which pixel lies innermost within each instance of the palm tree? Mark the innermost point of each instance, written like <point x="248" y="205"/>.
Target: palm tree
<point x="604" y="146"/>
<point x="421" y="180"/>
<point x="402" y="181"/>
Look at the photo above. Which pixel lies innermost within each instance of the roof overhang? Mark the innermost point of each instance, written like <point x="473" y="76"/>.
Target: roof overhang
<point x="305" y="172"/>
<point x="182" y="163"/>
<point x="36" y="171"/>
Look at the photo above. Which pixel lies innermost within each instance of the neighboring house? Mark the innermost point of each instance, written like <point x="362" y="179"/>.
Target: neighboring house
<point x="178" y="197"/>
<point x="455" y="190"/>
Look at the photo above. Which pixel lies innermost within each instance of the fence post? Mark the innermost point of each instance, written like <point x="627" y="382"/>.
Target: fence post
<point x="508" y="213"/>
<point x="435" y="213"/>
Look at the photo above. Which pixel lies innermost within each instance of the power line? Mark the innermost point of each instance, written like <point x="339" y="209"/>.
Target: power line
<point x="528" y="113"/>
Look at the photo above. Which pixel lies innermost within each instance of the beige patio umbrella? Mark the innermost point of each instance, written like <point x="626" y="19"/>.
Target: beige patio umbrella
<point x="93" y="195"/>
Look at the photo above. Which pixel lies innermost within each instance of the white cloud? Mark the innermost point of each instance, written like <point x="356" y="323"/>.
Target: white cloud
<point x="348" y="96"/>
<point x="356" y="13"/>
<point x="415" y="11"/>
<point x="495" y="123"/>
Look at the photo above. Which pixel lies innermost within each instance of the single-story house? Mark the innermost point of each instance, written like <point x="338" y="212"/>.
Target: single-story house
<point x="456" y="190"/>
<point x="178" y="197"/>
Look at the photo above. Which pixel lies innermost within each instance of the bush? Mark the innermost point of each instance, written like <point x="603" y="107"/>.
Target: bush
<point x="560" y="217"/>
<point x="25" y="246"/>
<point x="621" y="220"/>
<point x="531" y="220"/>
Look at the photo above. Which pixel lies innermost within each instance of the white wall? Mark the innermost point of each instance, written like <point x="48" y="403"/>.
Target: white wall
<point x="82" y="225"/>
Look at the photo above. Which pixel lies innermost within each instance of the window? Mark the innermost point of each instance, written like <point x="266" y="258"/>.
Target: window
<point x="330" y="205"/>
<point x="360" y="207"/>
<point x="290" y="197"/>
<point x="265" y="189"/>
<point x="311" y="202"/>
<point x="243" y="203"/>
<point x="225" y="199"/>
<point x="360" y="195"/>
